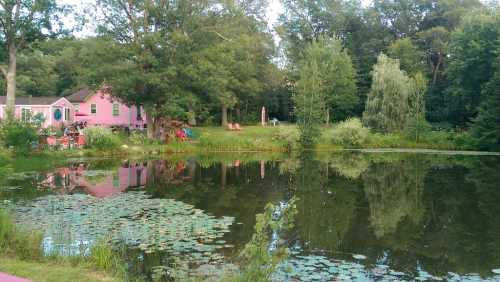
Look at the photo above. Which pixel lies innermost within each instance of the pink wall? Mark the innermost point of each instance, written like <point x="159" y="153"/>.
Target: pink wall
<point x="47" y="111"/>
<point x="104" y="112"/>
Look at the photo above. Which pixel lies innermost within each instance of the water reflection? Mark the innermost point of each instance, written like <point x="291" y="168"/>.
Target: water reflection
<point x="413" y="213"/>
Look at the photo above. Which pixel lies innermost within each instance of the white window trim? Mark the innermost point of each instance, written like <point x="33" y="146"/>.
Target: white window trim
<point x="95" y="109"/>
<point x="25" y="108"/>
<point x="113" y="109"/>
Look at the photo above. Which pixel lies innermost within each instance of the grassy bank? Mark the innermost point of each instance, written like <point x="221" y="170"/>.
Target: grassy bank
<point x="253" y="139"/>
<point x="21" y="255"/>
<point x="50" y="271"/>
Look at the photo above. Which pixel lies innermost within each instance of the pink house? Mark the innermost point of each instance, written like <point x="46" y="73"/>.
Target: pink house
<point x="101" y="109"/>
<point x="55" y="110"/>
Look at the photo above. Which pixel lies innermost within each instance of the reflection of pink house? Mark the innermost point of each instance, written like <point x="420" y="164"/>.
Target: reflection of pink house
<point x="55" y="110"/>
<point x="100" y="108"/>
<point x="112" y="183"/>
<point x="126" y="177"/>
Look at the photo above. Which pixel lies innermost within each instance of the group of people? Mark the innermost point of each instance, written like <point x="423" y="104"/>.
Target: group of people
<point x="184" y="133"/>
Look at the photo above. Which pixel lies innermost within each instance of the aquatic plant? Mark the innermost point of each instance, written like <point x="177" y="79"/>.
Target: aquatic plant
<point x="131" y="218"/>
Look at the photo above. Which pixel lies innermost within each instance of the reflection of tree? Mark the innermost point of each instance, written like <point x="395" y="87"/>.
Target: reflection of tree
<point x="394" y="191"/>
<point x="326" y="206"/>
<point x="349" y="164"/>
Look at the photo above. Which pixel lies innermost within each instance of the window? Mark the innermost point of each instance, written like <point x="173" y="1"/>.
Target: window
<point x="139" y="114"/>
<point x="93" y="109"/>
<point x="25" y="114"/>
<point x="77" y="108"/>
<point x="116" y="109"/>
<point x="66" y="114"/>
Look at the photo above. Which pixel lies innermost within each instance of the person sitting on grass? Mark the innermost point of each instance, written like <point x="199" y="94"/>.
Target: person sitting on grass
<point x="181" y="135"/>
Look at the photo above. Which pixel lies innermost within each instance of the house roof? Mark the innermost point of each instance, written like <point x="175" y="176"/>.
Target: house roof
<point x="22" y="100"/>
<point x="80" y="96"/>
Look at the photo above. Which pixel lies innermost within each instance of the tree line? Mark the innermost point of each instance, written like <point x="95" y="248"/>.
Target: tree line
<point x="397" y="64"/>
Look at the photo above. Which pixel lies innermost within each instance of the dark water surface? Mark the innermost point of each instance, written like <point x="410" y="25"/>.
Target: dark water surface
<point x="361" y="216"/>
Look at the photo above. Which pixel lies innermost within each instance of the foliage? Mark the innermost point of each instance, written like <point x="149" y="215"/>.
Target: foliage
<point x="310" y="94"/>
<point x="17" y="242"/>
<point x="350" y="133"/>
<point x="474" y="45"/>
<point x="260" y="258"/>
<point x="19" y="135"/>
<point x="409" y="56"/>
<point x="486" y="126"/>
<point x="132" y="218"/>
<point x="101" y="138"/>
<point x="416" y="124"/>
<point x="139" y="138"/>
<point x="387" y="103"/>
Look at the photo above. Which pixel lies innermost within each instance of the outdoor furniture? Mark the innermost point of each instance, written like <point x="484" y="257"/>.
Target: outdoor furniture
<point x="230" y="126"/>
<point x="275" y="121"/>
<point x="237" y="127"/>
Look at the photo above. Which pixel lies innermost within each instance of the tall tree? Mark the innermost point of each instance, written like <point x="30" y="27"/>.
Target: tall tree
<point x="387" y="103"/>
<point x="472" y="49"/>
<point x="22" y="22"/>
<point x="310" y="94"/>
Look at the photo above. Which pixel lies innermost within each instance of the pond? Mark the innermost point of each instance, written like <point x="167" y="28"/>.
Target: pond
<point x="362" y="216"/>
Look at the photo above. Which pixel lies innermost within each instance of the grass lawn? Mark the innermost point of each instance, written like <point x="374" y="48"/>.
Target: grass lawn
<point x="52" y="271"/>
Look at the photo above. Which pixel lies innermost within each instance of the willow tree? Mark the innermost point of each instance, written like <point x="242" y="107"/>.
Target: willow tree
<point x="416" y="106"/>
<point x="386" y="108"/>
<point x="21" y="22"/>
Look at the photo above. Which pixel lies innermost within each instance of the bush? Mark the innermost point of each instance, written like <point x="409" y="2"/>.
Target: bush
<point x="140" y="138"/>
<point x="287" y="135"/>
<point x="350" y="133"/>
<point x="101" y="138"/>
<point x="18" y="135"/>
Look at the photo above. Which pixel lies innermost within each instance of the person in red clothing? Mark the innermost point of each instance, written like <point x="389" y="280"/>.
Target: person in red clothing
<point x="181" y="135"/>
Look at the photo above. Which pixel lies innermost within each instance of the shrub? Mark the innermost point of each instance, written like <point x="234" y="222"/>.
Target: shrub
<point x="350" y="133"/>
<point x="18" y="135"/>
<point x="140" y="138"/>
<point x="287" y="135"/>
<point x="101" y="138"/>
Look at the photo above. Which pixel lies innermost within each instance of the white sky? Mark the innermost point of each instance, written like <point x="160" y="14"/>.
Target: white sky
<point x="273" y="11"/>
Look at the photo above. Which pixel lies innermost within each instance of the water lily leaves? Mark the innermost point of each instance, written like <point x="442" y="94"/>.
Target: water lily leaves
<point x="132" y="218"/>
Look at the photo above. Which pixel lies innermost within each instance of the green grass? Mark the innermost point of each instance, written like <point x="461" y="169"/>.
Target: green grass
<point x="21" y="255"/>
<point x="51" y="271"/>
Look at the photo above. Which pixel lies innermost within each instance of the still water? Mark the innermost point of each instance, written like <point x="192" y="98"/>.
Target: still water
<point x="361" y="216"/>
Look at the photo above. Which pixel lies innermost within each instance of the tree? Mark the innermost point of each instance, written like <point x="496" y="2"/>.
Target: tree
<point x="340" y="81"/>
<point x="310" y="94"/>
<point x="387" y="103"/>
<point x="416" y="106"/>
<point x="409" y="56"/>
<point x="486" y="126"/>
<point x="21" y="22"/>
<point x="472" y="49"/>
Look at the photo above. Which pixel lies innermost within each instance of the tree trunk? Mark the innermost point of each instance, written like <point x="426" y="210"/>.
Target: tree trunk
<point x="327" y="117"/>
<point x="151" y="126"/>
<point x="238" y="115"/>
<point x="436" y="70"/>
<point x="10" y="78"/>
<point x="224" y="116"/>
